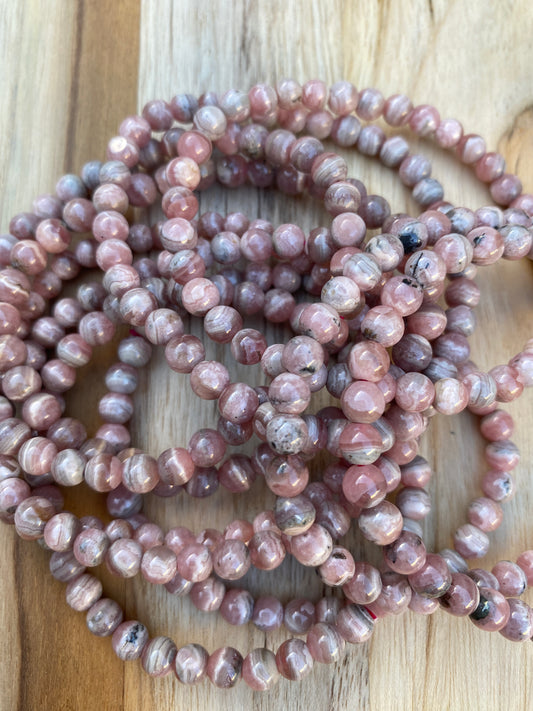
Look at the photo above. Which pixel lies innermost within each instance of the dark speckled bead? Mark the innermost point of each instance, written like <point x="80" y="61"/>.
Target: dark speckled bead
<point x="129" y="640"/>
<point x="493" y="611"/>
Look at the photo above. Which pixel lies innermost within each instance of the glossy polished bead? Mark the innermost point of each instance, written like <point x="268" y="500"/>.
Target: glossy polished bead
<point x="158" y="656"/>
<point x="129" y="640"/>
<point x="294" y="660"/>
<point x="432" y="579"/>
<point x="493" y="611"/>
<point x="224" y="667"/>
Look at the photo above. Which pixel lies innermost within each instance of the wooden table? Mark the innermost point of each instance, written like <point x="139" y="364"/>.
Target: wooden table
<point x="70" y="71"/>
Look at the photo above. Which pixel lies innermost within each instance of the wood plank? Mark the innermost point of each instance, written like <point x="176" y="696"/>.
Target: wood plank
<point x="473" y="61"/>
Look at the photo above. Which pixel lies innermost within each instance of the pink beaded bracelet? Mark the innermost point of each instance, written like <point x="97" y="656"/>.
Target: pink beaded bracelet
<point x="379" y="440"/>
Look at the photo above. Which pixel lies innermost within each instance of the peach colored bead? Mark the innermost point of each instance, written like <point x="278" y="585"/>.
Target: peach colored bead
<point x="368" y="360"/>
<point x="362" y="401"/>
<point x="451" y="396"/>
<point x="123" y="557"/>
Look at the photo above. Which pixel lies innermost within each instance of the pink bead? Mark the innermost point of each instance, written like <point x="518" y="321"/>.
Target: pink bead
<point x="505" y="189"/>
<point x="384" y="325"/>
<point x="224" y="667"/>
<point x="364" y="485"/>
<point x="360" y="443"/>
<point x="397" y="110"/>
<point x="259" y="670"/>
<point x="493" y="612"/>
<point x="338" y="568"/>
<point x="498" y="485"/>
<point x="266" y="550"/>
<point x="432" y="579"/>
<point x="448" y="133"/>
<point x="294" y="660"/>
<point x="194" y="562"/>
<point x="485" y="513"/>
<point x="325" y="643"/>
<point x="424" y="120"/>
<point x="368" y="360"/>
<point x="511" y="578"/>
<point x="525" y="561"/>
<point x="231" y="560"/>
<point x="462" y="597"/>
<point x="470" y="541"/>
<point x="381" y="524"/>
<point x="362" y="402"/>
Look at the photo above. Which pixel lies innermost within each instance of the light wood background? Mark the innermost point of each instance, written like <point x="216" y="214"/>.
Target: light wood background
<point x="69" y="72"/>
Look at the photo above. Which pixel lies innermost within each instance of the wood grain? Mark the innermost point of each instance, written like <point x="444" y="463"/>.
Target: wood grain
<point x="71" y="71"/>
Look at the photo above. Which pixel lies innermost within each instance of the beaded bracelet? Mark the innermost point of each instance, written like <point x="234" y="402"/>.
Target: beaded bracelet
<point x="509" y="186"/>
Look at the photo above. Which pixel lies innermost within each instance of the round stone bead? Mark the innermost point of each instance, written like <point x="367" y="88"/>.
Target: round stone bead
<point x="83" y="592"/>
<point x="31" y="517"/>
<point x="313" y="547"/>
<point x="365" y="585"/>
<point x="394" y="597"/>
<point x="158" y="656"/>
<point x="355" y="624"/>
<point x="493" y="611"/>
<point x="294" y="515"/>
<point x="104" y="617"/>
<point x="224" y="667"/>
<point x="266" y="550"/>
<point x="124" y="557"/>
<point x="381" y="524"/>
<point x="237" y="606"/>
<point x="338" y="568"/>
<point x="90" y="547"/>
<point x="190" y="663"/>
<point x="519" y="627"/>
<point x="14" y="492"/>
<point x="407" y="554"/>
<point x="294" y="660"/>
<point x="368" y="361"/>
<point x="363" y="402"/>
<point x="259" y="669"/>
<point x="511" y="578"/>
<point x="432" y="579"/>
<point x="231" y="559"/>
<point x="129" y="640"/>
<point x="462" y="597"/>
<point x="364" y="485"/>
<point x="471" y="542"/>
<point x="325" y="643"/>
<point x="268" y="613"/>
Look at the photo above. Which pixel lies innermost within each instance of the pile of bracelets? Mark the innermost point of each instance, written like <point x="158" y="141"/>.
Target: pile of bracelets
<point x="360" y="299"/>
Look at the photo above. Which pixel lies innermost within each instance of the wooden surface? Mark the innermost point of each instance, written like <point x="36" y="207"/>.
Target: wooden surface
<point x="70" y="71"/>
